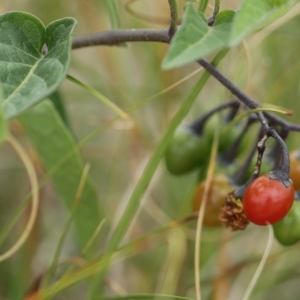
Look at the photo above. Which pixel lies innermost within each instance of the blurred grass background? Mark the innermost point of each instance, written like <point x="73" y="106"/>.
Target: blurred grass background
<point x="266" y="67"/>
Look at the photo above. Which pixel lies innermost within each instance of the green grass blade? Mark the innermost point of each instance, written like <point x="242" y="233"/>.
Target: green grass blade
<point x="5" y="230"/>
<point x="122" y="114"/>
<point x="100" y="265"/>
<point x="149" y="171"/>
<point x="203" y="5"/>
<point x="66" y="228"/>
<point x="112" y="6"/>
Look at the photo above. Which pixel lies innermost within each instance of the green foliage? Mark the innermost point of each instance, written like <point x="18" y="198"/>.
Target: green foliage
<point x="125" y="140"/>
<point x="150" y="169"/>
<point x="256" y="14"/>
<point x="195" y="39"/>
<point x="28" y="76"/>
<point x="59" y="154"/>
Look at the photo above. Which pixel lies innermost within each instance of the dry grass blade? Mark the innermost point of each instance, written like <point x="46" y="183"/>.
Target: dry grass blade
<point x="35" y="197"/>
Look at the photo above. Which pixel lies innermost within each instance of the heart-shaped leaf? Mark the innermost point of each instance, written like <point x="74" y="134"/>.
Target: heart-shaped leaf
<point x="255" y="14"/>
<point x="195" y="39"/>
<point x="27" y="75"/>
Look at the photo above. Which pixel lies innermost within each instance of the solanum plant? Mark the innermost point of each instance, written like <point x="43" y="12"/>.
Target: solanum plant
<point x="90" y="165"/>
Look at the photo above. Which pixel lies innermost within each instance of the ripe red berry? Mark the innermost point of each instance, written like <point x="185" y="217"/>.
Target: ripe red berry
<point x="267" y="201"/>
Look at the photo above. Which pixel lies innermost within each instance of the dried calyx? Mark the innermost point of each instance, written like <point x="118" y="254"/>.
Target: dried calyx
<point x="232" y="214"/>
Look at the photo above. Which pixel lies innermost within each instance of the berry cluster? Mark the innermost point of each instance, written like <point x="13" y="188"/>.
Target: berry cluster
<point x="238" y="194"/>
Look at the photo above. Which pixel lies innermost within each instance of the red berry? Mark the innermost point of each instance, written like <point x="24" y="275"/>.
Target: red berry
<point x="267" y="200"/>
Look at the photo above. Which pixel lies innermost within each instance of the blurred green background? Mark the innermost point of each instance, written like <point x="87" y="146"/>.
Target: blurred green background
<point x="266" y="66"/>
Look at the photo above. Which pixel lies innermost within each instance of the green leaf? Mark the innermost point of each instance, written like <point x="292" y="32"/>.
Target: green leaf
<point x="57" y="150"/>
<point x="195" y="39"/>
<point x="27" y="75"/>
<point x="256" y="14"/>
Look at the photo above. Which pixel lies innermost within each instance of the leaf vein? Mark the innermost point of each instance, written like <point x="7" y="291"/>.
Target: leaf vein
<point x="26" y="79"/>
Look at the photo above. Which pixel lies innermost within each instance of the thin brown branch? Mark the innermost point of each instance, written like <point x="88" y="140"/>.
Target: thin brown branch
<point x="119" y="37"/>
<point x="174" y="17"/>
<point x="244" y="98"/>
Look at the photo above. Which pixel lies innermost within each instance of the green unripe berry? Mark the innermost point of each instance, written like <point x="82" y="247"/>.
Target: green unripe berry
<point x="287" y="231"/>
<point x="186" y="151"/>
